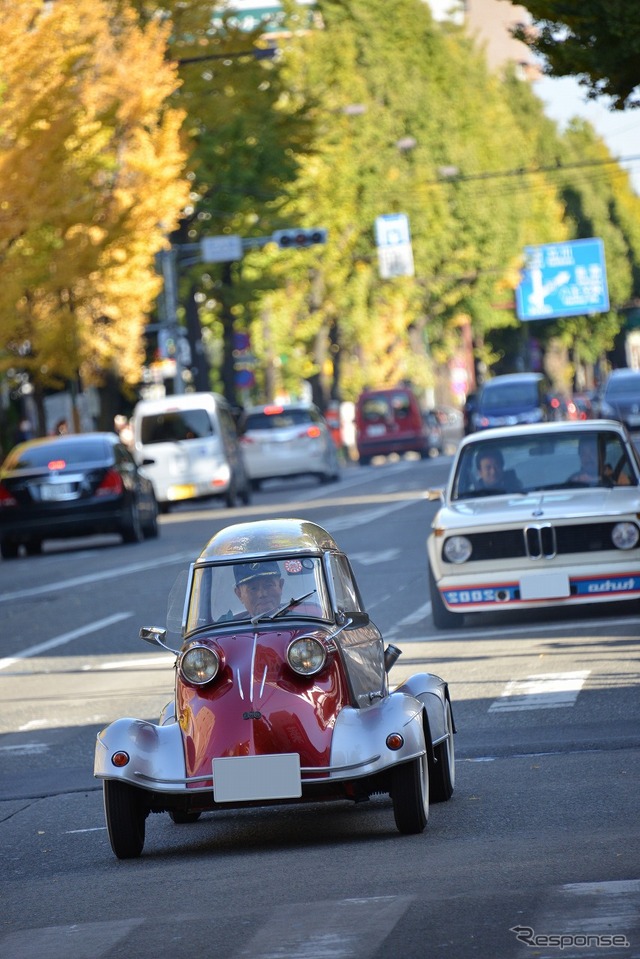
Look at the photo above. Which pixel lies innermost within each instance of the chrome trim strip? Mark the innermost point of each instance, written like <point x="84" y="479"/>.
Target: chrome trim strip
<point x="330" y="772"/>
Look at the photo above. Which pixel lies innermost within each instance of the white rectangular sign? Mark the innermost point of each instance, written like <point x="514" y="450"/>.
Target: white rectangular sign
<point x="393" y="238"/>
<point x="221" y="249"/>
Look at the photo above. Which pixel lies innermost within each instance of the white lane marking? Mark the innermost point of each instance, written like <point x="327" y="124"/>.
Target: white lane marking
<point x="165" y="660"/>
<point x="546" y="691"/>
<point x="98" y="576"/>
<point x="25" y="749"/>
<point x="343" y="929"/>
<point x="417" y="616"/>
<point x="73" y="832"/>
<point x="374" y="556"/>
<point x="338" y="524"/>
<point x="64" y="638"/>
<point x="82" y="940"/>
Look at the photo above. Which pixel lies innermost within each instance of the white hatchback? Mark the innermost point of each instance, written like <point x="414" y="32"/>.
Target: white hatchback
<point x="287" y="440"/>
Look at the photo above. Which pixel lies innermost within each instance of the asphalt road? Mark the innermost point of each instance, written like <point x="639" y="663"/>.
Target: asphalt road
<point x="536" y="855"/>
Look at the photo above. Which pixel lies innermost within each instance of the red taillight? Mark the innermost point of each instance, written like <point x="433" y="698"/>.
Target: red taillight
<point x="6" y="499"/>
<point x="56" y="465"/>
<point x="312" y="431"/>
<point x="272" y="410"/>
<point x="111" y="484"/>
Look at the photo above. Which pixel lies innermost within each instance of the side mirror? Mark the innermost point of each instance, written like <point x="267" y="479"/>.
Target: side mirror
<point x="356" y="618"/>
<point x="155" y="636"/>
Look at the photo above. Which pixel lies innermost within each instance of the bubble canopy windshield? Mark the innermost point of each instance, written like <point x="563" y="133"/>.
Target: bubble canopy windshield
<point x="256" y="589"/>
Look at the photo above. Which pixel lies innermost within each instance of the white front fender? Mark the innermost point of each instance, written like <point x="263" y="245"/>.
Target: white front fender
<point x="156" y="754"/>
<point x="361" y="734"/>
<point x="433" y="693"/>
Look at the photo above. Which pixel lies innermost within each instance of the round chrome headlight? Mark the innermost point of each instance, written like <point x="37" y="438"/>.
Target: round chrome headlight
<point x="306" y="655"/>
<point x="457" y="549"/>
<point x="625" y="535"/>
<point x="199" y="665"/>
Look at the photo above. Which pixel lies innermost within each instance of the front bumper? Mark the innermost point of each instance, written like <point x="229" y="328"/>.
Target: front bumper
<point x="554" y="585"/>
<point x="81" y="520"/>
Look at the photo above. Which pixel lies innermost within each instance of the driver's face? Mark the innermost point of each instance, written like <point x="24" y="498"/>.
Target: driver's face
<point x="260" y="594"/>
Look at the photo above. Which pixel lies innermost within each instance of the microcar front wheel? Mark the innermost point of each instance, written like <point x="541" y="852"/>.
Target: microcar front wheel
<point x="410" y="795"/>
<point x="125" y="813"/>
<point x="443" y="771"/>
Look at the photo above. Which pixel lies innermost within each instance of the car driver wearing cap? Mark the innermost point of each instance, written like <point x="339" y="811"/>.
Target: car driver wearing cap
<point x="258" y="586"/>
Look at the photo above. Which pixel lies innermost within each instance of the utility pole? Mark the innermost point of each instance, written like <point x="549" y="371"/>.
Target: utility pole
<point x="225" y="249"/>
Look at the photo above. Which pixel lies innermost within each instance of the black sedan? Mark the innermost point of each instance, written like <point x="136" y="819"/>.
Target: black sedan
<point x="74" y="485"/>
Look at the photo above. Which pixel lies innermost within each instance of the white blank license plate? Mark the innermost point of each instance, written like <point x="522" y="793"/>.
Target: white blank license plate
<point x="56" y="491"/>
<point x="544" y="586"/>
<point x="245" y="778"/>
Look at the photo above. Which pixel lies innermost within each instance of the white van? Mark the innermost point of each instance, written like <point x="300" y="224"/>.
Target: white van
<point x="189" y="447"/>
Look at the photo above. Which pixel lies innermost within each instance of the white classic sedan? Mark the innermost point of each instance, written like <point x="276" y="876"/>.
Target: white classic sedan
<point x="541" y="515"/>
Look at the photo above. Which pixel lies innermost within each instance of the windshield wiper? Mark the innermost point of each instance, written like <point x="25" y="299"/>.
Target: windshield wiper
<point x="272" y="614"/>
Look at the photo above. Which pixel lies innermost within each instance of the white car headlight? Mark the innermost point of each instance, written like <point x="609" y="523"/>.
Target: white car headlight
<point x="625" y="535"/>
<point x="457" y="549"/>
<point x="306" y="655"/>
<point x="199" y="665"/>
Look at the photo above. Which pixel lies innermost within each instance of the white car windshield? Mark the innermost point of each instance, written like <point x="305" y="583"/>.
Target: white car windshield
<point x="545" y="461"/>
<point x="256" y="590"/>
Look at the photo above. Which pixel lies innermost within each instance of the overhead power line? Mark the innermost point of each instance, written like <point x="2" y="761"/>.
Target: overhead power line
<point x="523" y="171"/>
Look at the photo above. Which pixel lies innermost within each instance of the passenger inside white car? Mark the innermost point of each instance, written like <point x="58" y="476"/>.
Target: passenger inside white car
<point x="491" y="474"/>
<point x="549" y="461"/>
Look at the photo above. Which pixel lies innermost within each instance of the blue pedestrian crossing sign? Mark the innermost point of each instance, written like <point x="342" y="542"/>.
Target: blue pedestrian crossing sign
<point x="563" y="279"/>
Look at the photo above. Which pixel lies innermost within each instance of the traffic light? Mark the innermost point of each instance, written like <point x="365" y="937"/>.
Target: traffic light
<point x="299" y="238"/>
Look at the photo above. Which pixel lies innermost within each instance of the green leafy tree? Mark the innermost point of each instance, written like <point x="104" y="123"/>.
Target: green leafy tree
<point x="597" y="41"/>
<point x="380" y="148"/>
<point x="245" y="135"/>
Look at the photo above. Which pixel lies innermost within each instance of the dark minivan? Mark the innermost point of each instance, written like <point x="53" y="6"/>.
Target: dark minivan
<point x="390" y="421"/>
<point x="511" y="399"/>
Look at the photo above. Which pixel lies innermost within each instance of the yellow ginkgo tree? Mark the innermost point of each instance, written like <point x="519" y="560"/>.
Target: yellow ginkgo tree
<point x="91" y="182"/>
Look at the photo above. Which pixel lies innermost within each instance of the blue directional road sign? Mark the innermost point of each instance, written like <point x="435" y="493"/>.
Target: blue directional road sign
<point x="563" y="279"/>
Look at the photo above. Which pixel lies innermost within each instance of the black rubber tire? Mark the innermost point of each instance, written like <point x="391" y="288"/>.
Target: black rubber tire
<point x="442" y="617"/>
<point x="181" y="818"/>
<point x="9" y="549"/>
<point x="126" y="814"/>
<point x="256" y="484"/>
<point x="364" y="460"/>
<point x="33" y="547"/>
<point x="151" y="529"/>
<point x="442" y="772"/>
<point x="131" y="532"/>
<point x="410" y="795"/>
<point x="164" y="507"/>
